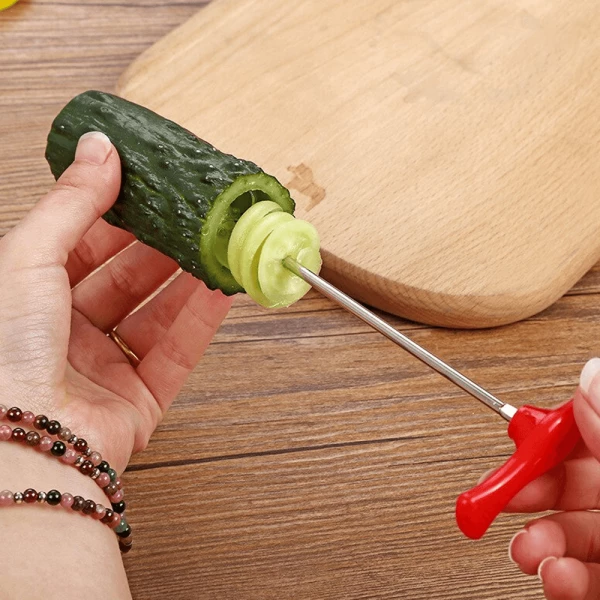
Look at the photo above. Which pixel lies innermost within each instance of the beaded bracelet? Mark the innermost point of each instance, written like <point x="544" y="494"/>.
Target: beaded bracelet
<point x="75" y="503"/>
<point x="88" y="462"/>
<point x="95" y="468"/>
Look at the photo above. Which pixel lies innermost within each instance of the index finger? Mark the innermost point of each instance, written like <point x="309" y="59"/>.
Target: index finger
<point x="573" y="485"/>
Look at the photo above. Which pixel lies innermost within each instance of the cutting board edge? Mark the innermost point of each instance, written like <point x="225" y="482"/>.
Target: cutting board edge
<point x="449" y="310"/>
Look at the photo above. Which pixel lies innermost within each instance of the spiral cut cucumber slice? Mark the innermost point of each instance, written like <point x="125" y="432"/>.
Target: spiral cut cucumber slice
<point x="262" y="238"/>
<point x="240" y="232"/>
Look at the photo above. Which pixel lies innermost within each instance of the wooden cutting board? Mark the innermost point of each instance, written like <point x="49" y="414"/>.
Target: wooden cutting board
<point x="446" y="150"/>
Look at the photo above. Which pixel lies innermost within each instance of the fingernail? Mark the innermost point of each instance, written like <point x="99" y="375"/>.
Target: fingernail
<point x="588" y="374"/>
<point x="510" y="545"/>
<point x="545" y="562"/>
<point x="93" y="147"/>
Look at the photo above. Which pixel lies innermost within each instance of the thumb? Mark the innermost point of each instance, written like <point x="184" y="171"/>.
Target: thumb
<point x="82" y="194"/>
<point x="586" y="406"/>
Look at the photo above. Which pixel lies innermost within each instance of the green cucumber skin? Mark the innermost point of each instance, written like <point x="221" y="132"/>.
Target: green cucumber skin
<point x="170" y="177"/>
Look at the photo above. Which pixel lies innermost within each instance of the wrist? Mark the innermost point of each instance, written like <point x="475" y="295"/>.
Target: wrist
<point x="57" y="541"/>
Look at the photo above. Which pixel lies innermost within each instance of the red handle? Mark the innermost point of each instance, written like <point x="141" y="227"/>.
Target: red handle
<point x="544" y="438"/>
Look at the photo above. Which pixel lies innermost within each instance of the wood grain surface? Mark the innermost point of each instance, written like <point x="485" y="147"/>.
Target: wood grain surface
<point x="446" y="150"/>
<point x="307" y="458"/>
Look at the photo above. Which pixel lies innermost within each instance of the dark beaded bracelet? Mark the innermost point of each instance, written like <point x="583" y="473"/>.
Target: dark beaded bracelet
<point x="89" y="463"/>
<point x="88" y="466"/>
<point x="75" y="503"/>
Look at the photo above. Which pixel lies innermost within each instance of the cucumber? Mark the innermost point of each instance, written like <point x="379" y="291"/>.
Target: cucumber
<point x="221" y="218"/>
<point x="179" y="194"/>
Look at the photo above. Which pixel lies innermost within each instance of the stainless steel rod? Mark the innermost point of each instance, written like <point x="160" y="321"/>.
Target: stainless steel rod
<point x="324" y="287"/>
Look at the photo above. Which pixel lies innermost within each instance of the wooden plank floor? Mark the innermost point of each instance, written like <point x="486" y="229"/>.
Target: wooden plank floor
<point x="307" y="458"/>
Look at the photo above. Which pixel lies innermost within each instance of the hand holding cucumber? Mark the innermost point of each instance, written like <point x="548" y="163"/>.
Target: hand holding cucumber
<point x="61" y="298"/>
<point x="221" y="219"/>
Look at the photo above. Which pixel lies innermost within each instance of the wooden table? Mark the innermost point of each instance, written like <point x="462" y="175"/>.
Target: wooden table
<point x="307" y="458"/>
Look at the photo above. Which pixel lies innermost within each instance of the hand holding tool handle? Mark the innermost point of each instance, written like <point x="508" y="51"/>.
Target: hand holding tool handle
<point x="544" y="438"/>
